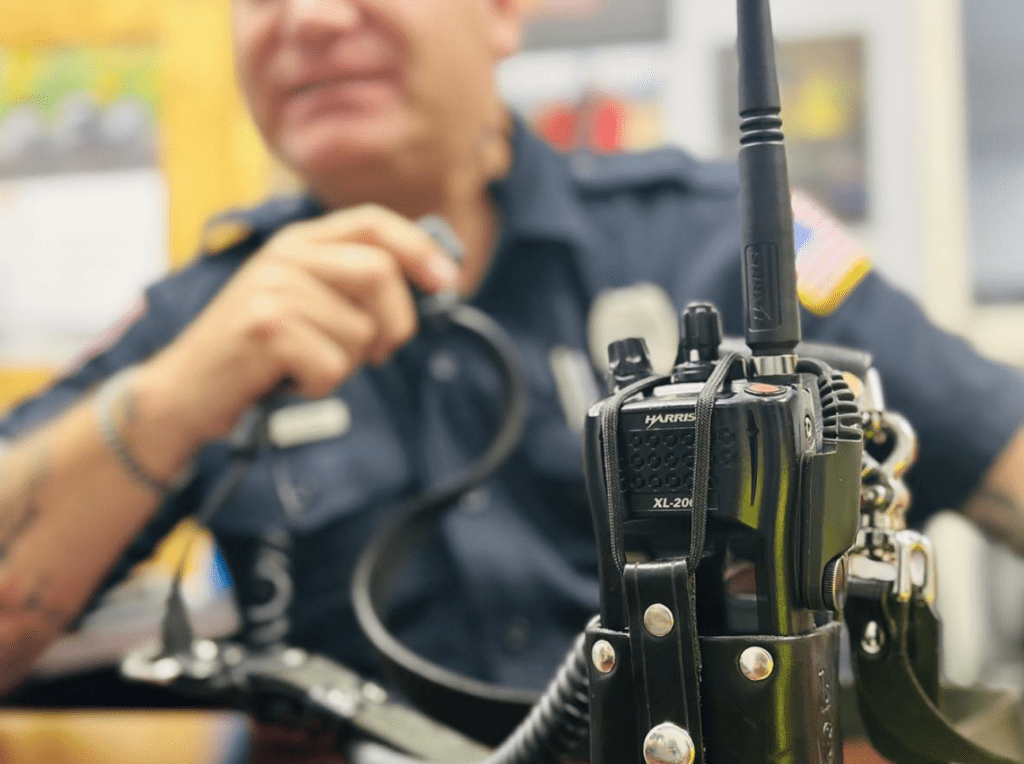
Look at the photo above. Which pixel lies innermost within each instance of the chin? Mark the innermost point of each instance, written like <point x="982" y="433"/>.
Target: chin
<point x="356" y="148"/>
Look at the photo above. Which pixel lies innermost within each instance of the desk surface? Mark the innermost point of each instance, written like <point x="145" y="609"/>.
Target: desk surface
<point x="116" y="737"/>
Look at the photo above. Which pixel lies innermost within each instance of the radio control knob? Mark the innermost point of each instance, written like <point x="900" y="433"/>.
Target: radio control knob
<point x="628" y="362"/>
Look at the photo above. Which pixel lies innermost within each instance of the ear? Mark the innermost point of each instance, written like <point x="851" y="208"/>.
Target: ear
<point x="505" y="22"/>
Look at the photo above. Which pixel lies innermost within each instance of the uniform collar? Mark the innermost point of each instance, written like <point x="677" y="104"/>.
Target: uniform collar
<point x="538" y="198"/>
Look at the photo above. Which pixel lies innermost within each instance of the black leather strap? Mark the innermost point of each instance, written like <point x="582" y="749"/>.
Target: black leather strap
<point x="898" y="686"/>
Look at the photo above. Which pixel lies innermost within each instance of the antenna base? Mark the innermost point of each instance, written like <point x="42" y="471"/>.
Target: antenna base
<point x="775" y="365"/>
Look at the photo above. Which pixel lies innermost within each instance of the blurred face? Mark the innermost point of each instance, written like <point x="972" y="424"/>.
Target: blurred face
<point x="353" y="92"/>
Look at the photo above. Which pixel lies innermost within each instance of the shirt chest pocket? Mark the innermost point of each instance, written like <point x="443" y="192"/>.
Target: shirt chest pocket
<point x="309" y="480"/>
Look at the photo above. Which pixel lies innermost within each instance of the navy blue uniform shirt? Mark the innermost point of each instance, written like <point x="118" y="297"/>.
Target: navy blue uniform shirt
<point x="513" y="577"/>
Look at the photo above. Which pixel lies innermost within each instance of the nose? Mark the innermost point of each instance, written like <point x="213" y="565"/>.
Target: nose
<point x="313" y="22"/>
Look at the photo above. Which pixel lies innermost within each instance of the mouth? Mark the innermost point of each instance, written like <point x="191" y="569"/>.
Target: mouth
<point x="349" y="94"/>
<point x="341" y="81"/>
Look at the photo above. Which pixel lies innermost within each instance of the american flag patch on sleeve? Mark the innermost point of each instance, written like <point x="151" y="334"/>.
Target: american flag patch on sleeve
<point x="830" y="261"/>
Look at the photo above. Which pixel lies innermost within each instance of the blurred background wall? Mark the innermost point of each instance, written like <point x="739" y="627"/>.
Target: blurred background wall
<point x="121" y="133"/>
<point x="900" y="117"/>
<point x="903" y="118"/>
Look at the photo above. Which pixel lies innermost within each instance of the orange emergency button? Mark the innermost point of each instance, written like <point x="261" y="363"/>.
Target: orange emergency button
<point x="763" y="388"/>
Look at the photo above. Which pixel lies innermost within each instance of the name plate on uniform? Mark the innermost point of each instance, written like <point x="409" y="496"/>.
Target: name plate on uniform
<point x="308" y="422"/>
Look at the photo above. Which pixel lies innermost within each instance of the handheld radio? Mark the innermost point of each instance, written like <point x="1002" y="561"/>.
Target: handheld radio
<point x="726" y="496"/>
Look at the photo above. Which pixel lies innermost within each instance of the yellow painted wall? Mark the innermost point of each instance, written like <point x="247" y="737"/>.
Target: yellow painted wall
<point x="16" y="383"/>
<point x="211" y="154"/>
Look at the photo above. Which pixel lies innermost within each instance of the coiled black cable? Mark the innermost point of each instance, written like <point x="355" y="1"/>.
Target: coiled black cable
<point x="558" y="721"/>
<point x="381" y="560"/>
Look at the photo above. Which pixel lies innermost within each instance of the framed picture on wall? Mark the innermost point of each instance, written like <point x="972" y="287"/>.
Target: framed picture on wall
<point x="822" y="81"/>
<point x="83" y="202"/>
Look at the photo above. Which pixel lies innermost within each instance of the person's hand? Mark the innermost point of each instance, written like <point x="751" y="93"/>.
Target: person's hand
<point x="320" y="300"/>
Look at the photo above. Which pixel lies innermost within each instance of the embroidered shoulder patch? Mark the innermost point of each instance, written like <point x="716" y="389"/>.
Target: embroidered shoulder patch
<point x="830" y="261"/>
<point x="222" y="234"/>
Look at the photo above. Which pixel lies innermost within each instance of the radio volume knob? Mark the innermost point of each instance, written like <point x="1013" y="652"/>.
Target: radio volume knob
<point x="700" y="333"/>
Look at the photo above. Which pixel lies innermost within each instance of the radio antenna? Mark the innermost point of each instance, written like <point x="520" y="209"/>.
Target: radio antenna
<point x="766" y="214"/>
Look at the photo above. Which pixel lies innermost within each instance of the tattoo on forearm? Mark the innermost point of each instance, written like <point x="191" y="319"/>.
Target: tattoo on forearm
<point x="999" y="515"/>
<point x="15" y="603"/>
<point x="19" y="502"/>
<point x="34" y="601"/>
<point x="15" y="525"/>
<point x="19" y="511"/>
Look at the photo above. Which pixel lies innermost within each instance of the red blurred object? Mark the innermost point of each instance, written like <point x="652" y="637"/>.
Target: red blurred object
<point x="595" y="122"/>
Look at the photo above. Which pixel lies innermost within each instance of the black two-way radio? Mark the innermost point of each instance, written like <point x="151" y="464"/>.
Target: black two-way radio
<point x="725" y="498"/>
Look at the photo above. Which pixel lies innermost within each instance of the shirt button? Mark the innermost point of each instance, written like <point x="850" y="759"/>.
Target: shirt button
<point x="517" y="634"/>
<point x="443" y="366"/>
<point x="307" y="489"/>
<point x="475" y="501"/>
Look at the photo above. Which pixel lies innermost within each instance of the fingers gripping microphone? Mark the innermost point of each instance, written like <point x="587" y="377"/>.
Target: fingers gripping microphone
<point x="434" y="309"/>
